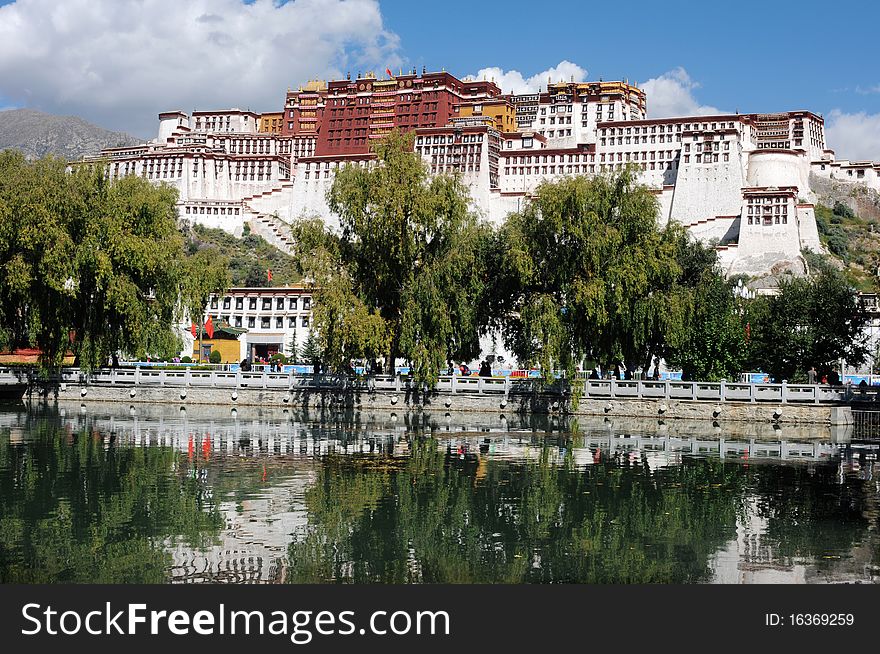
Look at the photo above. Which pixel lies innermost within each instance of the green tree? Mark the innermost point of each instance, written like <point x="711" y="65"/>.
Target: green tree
<point x="404" y="277"/>
<point x="585" y="271"/>
<point x="310" y="353"/>
<point x="37" y="202"/>
<point x="813" y="321"/>
<point x="93" y="265"/>
<point x="715" y="345"/>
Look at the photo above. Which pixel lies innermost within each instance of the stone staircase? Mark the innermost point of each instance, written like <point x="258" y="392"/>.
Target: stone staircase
<point x="262" y="212"/>
<point x="274" y="230"/>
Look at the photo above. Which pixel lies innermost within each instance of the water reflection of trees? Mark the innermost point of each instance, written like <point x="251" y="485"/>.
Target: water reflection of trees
<point x="436" y="517"/>
<point x="75" y="508"/>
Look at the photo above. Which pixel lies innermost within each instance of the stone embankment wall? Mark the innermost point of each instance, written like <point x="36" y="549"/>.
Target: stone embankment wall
<point x="441" y="403"/>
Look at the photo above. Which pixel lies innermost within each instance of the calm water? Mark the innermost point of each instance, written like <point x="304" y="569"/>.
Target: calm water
<point x="116" y="494"/>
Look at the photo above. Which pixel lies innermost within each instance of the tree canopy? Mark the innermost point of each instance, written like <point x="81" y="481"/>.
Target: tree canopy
<point x="586" y="272"/>
<point x="404" y="275"/>
<point x="94" y="265"/>
<point x="813" y="321"/>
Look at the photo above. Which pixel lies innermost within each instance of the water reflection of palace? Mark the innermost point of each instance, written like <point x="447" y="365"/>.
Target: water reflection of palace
<point x="258" y="468"/>
<point x="253" y="543"/>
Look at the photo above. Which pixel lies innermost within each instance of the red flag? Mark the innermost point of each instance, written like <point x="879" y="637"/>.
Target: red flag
<point x="193" y="329"/>
<point x="268" y="275"/>
<point x="209" y="327"/>
<point x="390" y="74"/>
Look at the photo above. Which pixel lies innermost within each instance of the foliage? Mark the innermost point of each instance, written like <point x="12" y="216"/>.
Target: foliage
<point x="853" y="239"/>
<point x="206" y="271"/>
<point x="405" y="276"/>
<point x="813" y="321"/>
<point x="278" y="357"/>
<point x="716" y="343"/>
<point x="842" y="210"/>
<point x="310" y="353"/>
<point x="585" y="272"/>
<point x="186" y="359"/>
<point x="215" y="357"/>
<point x="92" y="265"/>
<point x="248" y="257"/>
<point x="832" y="235"/>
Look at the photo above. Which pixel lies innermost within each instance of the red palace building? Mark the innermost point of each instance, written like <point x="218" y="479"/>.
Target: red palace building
<point x="345" y="116"/>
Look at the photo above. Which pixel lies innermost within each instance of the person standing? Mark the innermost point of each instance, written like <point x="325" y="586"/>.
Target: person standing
<point x="811" y="375"/>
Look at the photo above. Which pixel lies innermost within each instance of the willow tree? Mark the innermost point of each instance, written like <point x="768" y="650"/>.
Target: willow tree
<point x="37" y="200"/>
<point x="92" y="265"/>
<point x="404" y="272"/>
<point x="586" y="272"/>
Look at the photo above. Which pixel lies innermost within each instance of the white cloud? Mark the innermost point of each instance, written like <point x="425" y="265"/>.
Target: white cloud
<point x="120" y="63"/>
<point x="512" y="81"/>
<point x="861" y="90"/>
<point x="671" y="94"/>
<point x="853" y="136"/>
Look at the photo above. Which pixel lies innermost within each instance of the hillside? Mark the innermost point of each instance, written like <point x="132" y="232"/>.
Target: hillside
<point x="38" y="134"/>
<point x="249" y="257"/>
<point x="848" y="218"/>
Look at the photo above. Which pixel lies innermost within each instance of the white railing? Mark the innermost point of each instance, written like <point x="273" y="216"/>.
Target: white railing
<point x="590" y="388"/>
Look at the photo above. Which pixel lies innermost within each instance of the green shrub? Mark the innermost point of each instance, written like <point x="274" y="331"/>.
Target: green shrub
<point x="215" y="357"/>
<point x="278" y="357"/>
<point x="837" y="243"/>
<point x="186" y="359"/>
<point x="842" y="210"/>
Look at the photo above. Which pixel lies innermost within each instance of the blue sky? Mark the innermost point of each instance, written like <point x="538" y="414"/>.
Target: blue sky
<point x="755" y="56"/>
<point x="119" y="62"/>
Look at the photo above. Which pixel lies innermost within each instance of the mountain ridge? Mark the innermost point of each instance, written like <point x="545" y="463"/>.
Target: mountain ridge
<point x="38" y="134"/>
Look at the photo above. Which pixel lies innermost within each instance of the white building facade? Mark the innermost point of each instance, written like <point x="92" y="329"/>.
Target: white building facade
<point x="741" y="181"/>
<point x="277" y="320"/>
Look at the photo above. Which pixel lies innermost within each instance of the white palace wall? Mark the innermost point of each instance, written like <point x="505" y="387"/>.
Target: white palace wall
<point x="229" y="176"/>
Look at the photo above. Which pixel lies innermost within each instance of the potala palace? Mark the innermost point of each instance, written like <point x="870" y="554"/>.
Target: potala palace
<point x="742" y="180"/>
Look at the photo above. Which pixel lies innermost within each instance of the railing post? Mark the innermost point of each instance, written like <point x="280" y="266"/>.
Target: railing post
<point x="161" y="378"/>
<point x="693" y="390"/>
<point x="452" y="383"/>
<point x="722" y="391"/>
<point x="238" y="378"/>
<point x="784" y="391"/>
<point x="666" y="389"/>
<point x="137" y="375"/>
<point x="613" y="387"/>
<point x="187" y="377"/>
<point x="265" y="378"/>
<point x="480" y="385"/>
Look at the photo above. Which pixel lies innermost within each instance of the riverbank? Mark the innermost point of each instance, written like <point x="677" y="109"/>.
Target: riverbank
<point x="513" y="403"/>
<point x="256" y="421"/>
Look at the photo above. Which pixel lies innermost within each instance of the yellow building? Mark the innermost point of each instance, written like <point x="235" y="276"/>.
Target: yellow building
<point x="271" y="122"/>
<point x="227" y="340"/>
<point x="501" y="111"/>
